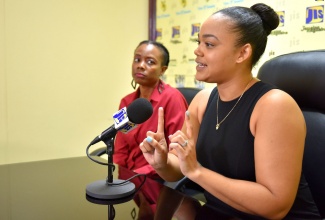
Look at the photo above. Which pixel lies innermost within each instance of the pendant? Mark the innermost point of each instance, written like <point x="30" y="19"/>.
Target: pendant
<point x="217" y="126"/>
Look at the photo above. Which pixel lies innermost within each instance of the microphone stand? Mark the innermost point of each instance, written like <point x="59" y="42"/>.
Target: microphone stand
<point x="110" y="191"/>
<point x="110" y="169"/>
<point x="110" y="151"/>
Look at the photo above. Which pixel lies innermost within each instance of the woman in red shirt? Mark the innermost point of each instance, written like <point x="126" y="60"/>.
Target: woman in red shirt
<point x="149" y="63"/>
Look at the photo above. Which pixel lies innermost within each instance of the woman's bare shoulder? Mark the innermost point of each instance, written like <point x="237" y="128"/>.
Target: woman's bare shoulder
<point x="276" y="106"/>
<point x="199" y="102"/>
<point x="204" y="93"/>
<point x="276" y="97"/>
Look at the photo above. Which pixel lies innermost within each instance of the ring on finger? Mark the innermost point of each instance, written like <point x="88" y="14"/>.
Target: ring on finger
<point x="185" y="143"/>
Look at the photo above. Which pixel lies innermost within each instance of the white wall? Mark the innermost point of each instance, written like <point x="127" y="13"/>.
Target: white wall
<point x="64" y="65"/>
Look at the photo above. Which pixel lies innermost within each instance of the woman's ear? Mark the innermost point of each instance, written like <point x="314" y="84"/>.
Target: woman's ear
<point x="245" y="53"/>
<point x="163" y="70"/>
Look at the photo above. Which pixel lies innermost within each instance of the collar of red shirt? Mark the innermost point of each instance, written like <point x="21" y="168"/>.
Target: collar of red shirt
<point x="155" y="94"/>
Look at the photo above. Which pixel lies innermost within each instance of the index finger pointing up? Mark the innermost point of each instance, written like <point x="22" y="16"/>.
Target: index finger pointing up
<point x="161" y="120"/>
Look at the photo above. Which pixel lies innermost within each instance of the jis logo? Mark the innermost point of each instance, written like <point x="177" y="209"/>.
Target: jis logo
<point x="195" y="29"/>
<point x="128" y="127"/>
<point x="176" y="32"/>
<point x="315" y="14"/>
<point x="120" y="118"/>
<point x="158" y="34"/>
<point x="281" y="15"/>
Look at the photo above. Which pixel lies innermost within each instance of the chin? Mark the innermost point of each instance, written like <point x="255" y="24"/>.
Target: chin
<point x="199" y="77"/>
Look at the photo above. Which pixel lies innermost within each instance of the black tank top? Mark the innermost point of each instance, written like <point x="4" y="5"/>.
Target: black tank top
<point x="229" y="150"/>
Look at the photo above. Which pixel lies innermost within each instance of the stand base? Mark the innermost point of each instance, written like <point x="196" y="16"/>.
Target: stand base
<point x="101" y="190"/>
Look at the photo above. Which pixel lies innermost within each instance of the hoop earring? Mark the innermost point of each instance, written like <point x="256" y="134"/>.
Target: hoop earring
<point x="161" y="87"/>
<point x="133" y="84"/>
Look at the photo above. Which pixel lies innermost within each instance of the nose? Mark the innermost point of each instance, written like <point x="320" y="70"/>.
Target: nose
<point x="141" y="65"/>
<point x="198" y="52"/>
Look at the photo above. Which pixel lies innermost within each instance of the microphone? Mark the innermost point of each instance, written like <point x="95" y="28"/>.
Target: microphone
<point x="126" y="119"/>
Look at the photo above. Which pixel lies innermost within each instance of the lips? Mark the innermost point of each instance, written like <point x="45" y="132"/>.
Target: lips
<point x="201" y="65"/>
<point x="139" y="75"/>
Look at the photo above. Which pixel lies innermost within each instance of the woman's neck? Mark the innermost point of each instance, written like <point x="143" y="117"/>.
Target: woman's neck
<point x="146" y="91"/>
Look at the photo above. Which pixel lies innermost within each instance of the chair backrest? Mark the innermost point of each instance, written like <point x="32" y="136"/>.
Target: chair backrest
<point x="302" y="75"/>
<point x="189" y="93"/>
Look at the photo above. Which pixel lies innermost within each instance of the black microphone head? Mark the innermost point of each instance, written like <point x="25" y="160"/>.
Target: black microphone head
<point x="139" y="110"/>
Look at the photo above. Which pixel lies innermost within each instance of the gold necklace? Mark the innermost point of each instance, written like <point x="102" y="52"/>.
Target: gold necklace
<point x="219" y="123"/>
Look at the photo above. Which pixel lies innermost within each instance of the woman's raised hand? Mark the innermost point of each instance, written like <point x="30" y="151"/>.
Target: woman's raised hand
<point x="154" y="147"/>
<point x="185" y="147"/>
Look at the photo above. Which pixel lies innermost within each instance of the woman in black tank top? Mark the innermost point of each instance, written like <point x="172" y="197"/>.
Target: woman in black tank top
<point x="242" y="142"/>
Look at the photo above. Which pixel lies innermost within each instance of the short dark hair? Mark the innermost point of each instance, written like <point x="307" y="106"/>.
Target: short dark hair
<point x="161" y="47"/>
<point x="253" y="25"/>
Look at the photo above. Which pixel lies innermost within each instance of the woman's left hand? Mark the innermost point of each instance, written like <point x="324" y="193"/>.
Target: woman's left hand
<point x="184" y="145"/>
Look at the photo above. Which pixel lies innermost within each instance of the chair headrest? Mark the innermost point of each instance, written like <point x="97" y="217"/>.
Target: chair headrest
<point x="300" y="74"/>
<point x="188" y="93"/>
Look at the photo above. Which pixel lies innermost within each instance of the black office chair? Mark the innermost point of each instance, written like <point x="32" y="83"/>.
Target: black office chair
<point x="302" y="75"/>
<point x="189" y="93"/>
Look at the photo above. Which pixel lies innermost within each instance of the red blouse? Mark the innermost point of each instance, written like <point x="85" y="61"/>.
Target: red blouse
<point x="126" y="148"/>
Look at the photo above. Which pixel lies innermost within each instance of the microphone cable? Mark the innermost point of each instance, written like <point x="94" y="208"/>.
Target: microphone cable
<point x="97" y="161"/>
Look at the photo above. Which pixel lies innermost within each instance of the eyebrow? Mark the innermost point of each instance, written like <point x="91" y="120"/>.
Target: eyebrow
<point x="145" y="57"/>
<point x="208" y="35"/>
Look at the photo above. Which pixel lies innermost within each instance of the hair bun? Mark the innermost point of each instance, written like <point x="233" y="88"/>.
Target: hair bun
<point x="269" y="17"/>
